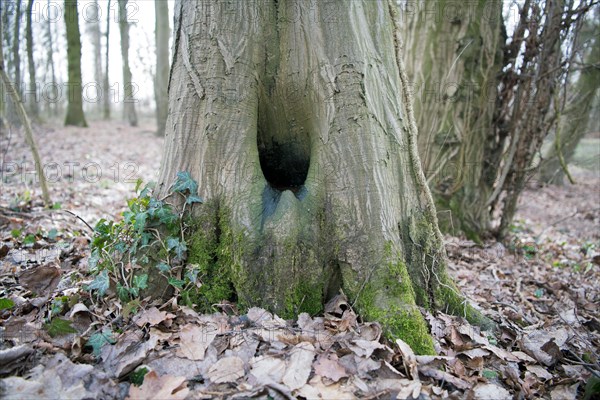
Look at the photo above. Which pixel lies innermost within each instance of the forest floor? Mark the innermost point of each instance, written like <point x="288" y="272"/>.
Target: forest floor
<point x="542" y="287"/>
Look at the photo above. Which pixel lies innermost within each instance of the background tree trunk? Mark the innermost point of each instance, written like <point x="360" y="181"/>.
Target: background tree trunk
<point x="32" y="95"/>
<point x="453" y="55"/>
<point x="129" y="100"/>
<point x="75" y="104"/>
<point x="161" y="82"/>
<point x="93" y="30"/>
<point x="582" y="97"/>
<point x="52" y="106"/>
<point x="295" y="119"/>
<point x="105" y="86"/>
<point x="16" y="59"/>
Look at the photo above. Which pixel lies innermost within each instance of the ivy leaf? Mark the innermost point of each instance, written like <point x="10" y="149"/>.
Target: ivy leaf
<point x="122" y="293"/>
<point x="140" y="281"/>
<point x="184" y="182"/>
<point x="138" y="184"/>
<point x="140" y="221"/>
<point x="162" y="267"/>
<point x="52" y="233"/>
<point x="6" y="303"/>
<point x="100" y="339"/>
<point x="178" y="283"/>
<point x="58" y="327"/>
<point x="101" y="283"/>
<point x="29" y="239"/>
<point x="194" y="199"/>
<point x="177" y="246"/>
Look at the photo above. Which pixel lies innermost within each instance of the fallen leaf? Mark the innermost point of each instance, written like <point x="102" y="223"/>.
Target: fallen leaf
<point x="408" y="359"/>
<point x="564" y="392"/>
<point x="228" y="369"/>
<point x="41" y="280"/>
<point x="539" y="371"/>
<point x="298" y="366"/>
<point x="194" y="340"/>
<point x="152" y="316"/>
<point x="489" y="391"/>
<point x="158" y="388"/>
<point x="327" y="366"/>
<point x="267" y="369"/>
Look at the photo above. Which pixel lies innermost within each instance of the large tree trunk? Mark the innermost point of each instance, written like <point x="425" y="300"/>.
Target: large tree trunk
<point x="75" y="103"/>
<point x="93" y="30"/>
<point x="295" y="119"/>
<point x="129" y="100"/>
<point x="453" y="55"/>
<point x="161" y="81"/>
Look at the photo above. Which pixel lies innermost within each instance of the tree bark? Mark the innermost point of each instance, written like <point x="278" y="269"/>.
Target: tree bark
<point x="51" y="105"/>
<point x="33" y="92"/>
<point x="161" y="82"/>
<point x="454" y="54"/>
<point x="16" y="46"/>
<point x="129" y="100"/>
<point x="295" y="119"/>
<point x="75" y="114"/>
<point x="105" y="82"/>
<point x="582" y="97"/>
<point x="93" y="30"/>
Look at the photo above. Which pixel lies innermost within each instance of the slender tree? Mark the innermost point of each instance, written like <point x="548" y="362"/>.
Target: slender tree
<point x="22" y="114"/>
<point x="128" y="86"/>
<point x="33" y="92"/>
<point x="16" y="46"/>
<point x="296" y="121"/>
<point x="161" y="81"/>
<point x="75" y="114"/>
<point x="105" y="85"/>
<point x="52" y="105"/>
<point x="93" y="30"/>
<point x="581" y="96"/>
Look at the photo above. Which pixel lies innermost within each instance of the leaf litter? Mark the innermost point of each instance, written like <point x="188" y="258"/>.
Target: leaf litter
<point x="541" y="287"/>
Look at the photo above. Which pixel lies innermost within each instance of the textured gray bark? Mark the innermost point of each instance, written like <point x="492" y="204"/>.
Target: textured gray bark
<point x="105" y="82"/>
<point x="75" y="114"/>
<point x="32" y="95"/>
<point x="129" y="99"/>
<point x="295" y="120"/>
<point x="454" y="55"/>
<point x="161" y="81"/>
<point x="93" y="30"/>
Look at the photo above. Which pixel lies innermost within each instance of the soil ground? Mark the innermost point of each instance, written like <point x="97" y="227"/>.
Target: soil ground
<point x="541" y="286"/>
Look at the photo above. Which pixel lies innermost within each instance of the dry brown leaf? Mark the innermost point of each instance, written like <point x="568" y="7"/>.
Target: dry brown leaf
<point x="298" y="366"/>
<point x="316" y="389"/>
<point x="228" y="369"/>
<point x="534" y="343"/>
<point x="152" y="316"/>
<point x="194" y="340"/>
<point x="327" y="366"/>
<point x="159" y="387"/>
<point x="408" y="359"/>
<point x="489" y="391"/>
<point x="364" y="348"/>
<point x="127" y="353"/>
<point x="267" y="370"/>
<point x="41" y="280"/>
<point x="564" y="392"/>
<point x="539" y="371"/>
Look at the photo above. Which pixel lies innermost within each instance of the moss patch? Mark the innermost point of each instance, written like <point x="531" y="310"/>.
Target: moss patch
<point x="388" y="297"/>
<point x="212" y="254"/>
